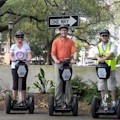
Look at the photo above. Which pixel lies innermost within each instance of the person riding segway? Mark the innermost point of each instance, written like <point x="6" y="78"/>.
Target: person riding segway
<point x="63" y="48"/>
<point x="20" y="54"/>
<point x="105" y="54"/>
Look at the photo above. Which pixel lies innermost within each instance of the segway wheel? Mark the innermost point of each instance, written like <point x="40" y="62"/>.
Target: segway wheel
<point x="95" y="106"/>
<point x="118" y="108"/>
<point x="75" y="105"/>
<point x="31" y="103"/>
<point x="7" y="103"/>
<point x="50" y="105"/>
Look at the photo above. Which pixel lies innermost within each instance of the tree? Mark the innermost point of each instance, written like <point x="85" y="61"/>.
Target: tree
<point x="31" y="16"/>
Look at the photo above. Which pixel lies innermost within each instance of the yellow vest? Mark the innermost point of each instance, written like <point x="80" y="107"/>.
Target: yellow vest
<point x="112" y="62"/>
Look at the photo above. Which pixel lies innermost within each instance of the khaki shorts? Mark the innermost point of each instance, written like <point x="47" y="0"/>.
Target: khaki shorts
<point x="111" y="82"/>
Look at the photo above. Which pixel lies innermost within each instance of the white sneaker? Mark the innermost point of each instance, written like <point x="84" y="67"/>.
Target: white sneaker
<point x="105" y="105"/>
<point x="113" y="104"/>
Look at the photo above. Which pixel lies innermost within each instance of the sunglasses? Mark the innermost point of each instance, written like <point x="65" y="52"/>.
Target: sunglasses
<point x="104" y="35"/>
<point x="19" y="36"/>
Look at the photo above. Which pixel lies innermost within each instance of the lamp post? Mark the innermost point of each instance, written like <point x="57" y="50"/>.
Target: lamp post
<point x="0" y="41"/>
<point x="10" y="28"/>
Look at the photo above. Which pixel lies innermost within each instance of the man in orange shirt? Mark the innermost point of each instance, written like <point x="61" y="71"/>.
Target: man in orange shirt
<point x="62" y="48"/>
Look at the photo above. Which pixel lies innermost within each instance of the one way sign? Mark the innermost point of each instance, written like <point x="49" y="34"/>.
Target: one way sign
<point x="56" y="21"/>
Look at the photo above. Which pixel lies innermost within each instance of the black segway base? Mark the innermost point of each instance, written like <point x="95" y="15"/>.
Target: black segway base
<point x="60" y="109"/>
<point x="110" y="111"/>
<point x="17" y="107"/>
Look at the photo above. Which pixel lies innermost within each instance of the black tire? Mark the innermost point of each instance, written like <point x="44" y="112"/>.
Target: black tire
<point x="50" y="105"/>
<point x="75" y="105"/>
<point x="7" y="103"/>
<point x="95" y="106"/>
<point x="31" y="103"/>
<point x="118" y="108"/>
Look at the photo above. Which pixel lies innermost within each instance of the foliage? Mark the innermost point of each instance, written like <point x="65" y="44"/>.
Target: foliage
<point x="36" y="12"/>
<point x="42" y="84"/>
<point x="117" y="59"/>
<point x="91" y="92"/>
<point x="85" y="90"/>
<point x="52" y="90"/>
<point x="44" y="8"/>
<point x="78" y="86"/>
<point x="78" y="46"/>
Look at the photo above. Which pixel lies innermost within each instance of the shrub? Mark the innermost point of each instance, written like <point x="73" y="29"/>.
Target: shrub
<point x="42" y="83"/>
<point x="91" y="91"/>
<point x="84" y="90"/>
<point x="78" y="86"/>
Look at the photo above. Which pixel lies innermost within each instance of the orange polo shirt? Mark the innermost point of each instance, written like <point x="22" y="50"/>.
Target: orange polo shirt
<point x="63" y="48"/>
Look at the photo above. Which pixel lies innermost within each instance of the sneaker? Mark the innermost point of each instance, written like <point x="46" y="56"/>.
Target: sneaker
<point x="14" y="102"/>
<point x="23" y="103"/>
<point x="113" y="104"/>
<point x="103" y="104"/>
<point x="59" y="104"/>
<point x="64" y="106"/>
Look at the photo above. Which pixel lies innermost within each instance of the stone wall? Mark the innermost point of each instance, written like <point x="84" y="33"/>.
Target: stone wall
<point x="86" y="72"/>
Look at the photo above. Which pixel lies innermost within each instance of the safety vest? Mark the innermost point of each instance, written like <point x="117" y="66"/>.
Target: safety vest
<point x="102" y="52"/>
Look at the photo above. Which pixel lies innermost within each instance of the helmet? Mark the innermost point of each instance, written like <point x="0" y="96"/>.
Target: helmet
<point x="19" y="33"/>
<point x="63" y="26"/>
<point x="104" y="32"/>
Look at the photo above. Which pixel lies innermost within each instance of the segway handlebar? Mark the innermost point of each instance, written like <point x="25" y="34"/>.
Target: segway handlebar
<point x="93" y="58"/>
<point x="66" y="60"/>
<point x="24" y="60"/>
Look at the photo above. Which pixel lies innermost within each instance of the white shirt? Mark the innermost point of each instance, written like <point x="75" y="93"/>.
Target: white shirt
<point x="113" y="48"/>
<point x="19" y="53"/>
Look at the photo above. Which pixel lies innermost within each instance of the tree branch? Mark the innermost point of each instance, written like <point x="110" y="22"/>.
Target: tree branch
<point x="2" y="2"/>
<point x="28" y="16"/>
<point x="39" y="27"/>
<point x="4" y="28"/>
<point x="2" y="14"/>
<point x="116" y="2"/>
<point x="20" y="16"/>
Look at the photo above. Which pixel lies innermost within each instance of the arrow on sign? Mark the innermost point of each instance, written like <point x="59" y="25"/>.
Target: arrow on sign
<point x="57" y="21"/>
<point x="72" y="21"/>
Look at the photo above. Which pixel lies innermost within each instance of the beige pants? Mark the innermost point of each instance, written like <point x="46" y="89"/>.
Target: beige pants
<point x="110" y="83"/>
<point x="59" y="85"/>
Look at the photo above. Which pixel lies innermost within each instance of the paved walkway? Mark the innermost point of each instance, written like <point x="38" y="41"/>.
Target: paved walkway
<point x="44" y="116"/>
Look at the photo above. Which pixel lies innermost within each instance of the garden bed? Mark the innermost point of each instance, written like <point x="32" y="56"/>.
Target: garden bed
<point x="41" y="104"/>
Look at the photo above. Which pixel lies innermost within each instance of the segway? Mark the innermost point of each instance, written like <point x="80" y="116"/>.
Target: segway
<point x="65" y="74"/>
<point x="97" y="108"/>
<point x="21" y="69"/>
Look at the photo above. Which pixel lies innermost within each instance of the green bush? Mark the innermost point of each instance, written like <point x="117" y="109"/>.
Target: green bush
<point x="42" y="83"/>
<point x="78" y="86"/>
<point x="84" y="90"/>
<point x="52" y="90"/>
<point x="91" y="91"/>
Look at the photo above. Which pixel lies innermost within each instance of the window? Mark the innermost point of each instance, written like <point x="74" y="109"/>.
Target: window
<point x="2" y="48"/>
